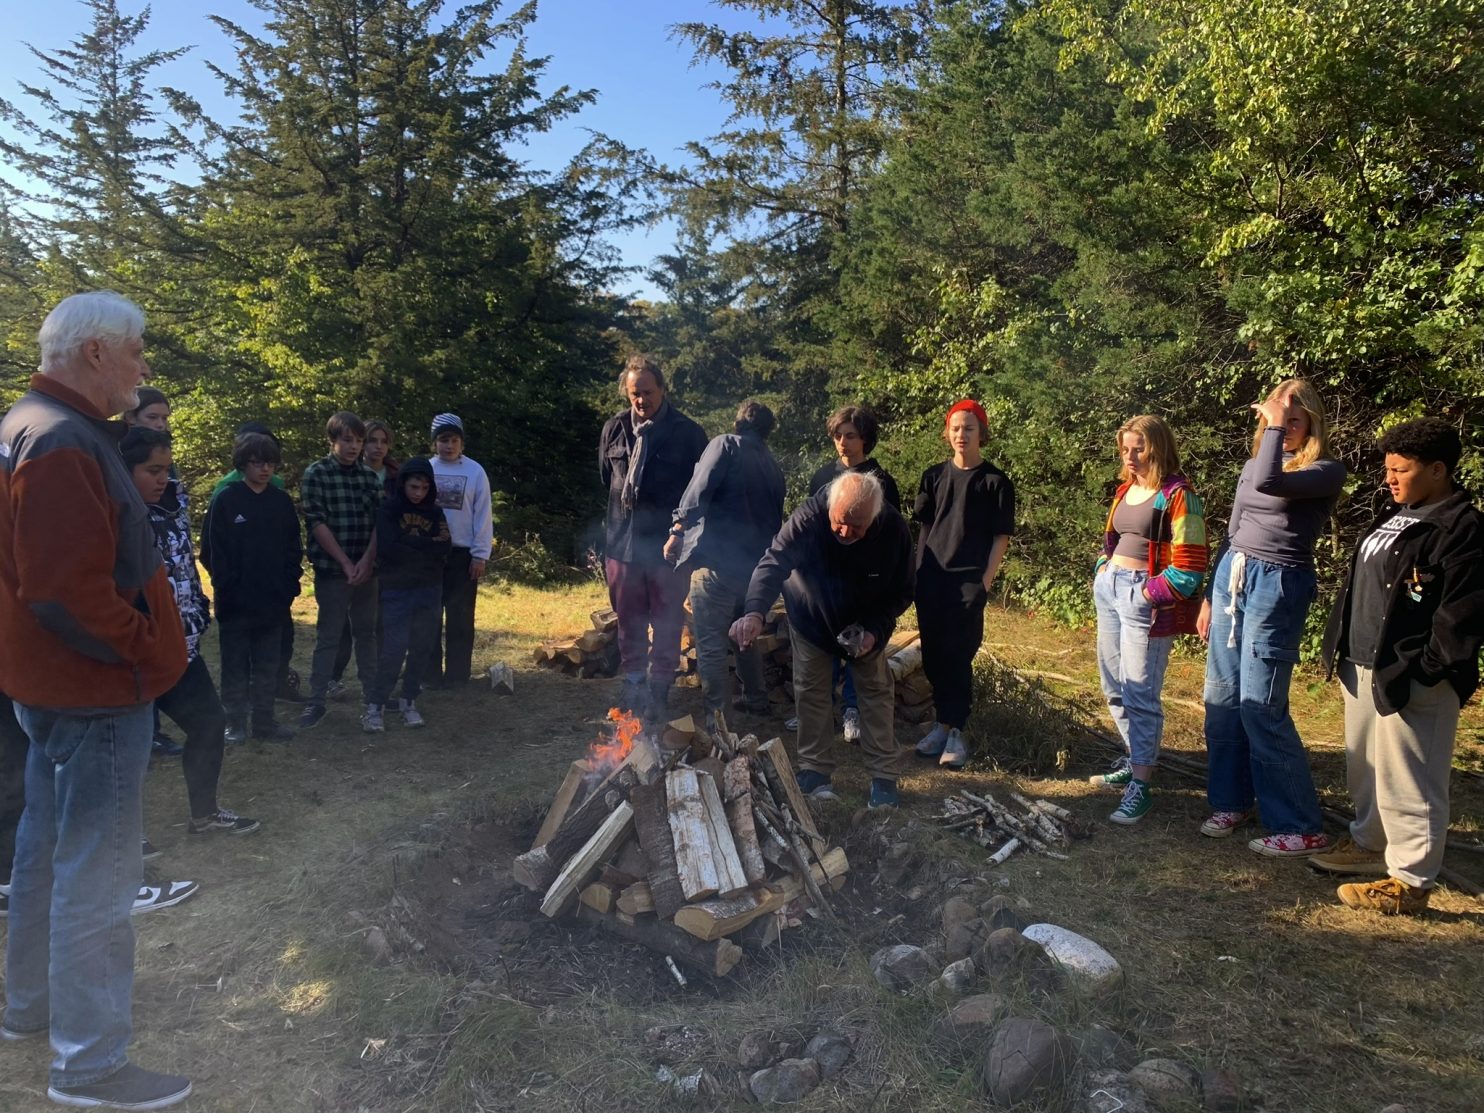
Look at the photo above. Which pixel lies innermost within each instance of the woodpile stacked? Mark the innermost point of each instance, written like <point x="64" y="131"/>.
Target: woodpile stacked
<point x="695" y="853"/>
<point x="592" y="653"/>
<point x="1040" y="827"/>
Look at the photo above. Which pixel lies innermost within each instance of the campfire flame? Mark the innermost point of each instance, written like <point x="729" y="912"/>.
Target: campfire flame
<point x="607" y="754"/>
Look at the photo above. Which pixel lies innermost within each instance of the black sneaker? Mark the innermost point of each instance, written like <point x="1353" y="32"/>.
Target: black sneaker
<point x="311" y="715"/>
<point x="165" y="746"/>
<point x="129" y="1087"/>
<point x="222" y="820"/>
<point x="4" y="912"/>
<point x="273" y="732"/>
<point x="236" y="734"/>
<point x="151" y="851"/>
<point x="153" y="897"/>
<point x="288" y="689"/>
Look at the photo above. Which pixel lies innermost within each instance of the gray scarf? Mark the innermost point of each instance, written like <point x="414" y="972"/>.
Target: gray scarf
<point x="638" y="457"/>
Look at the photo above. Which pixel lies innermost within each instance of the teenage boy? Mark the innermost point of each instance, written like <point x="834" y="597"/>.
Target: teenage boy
<point x="192" y="702"/>
<point x="340" y="496"/>
<point x="464" y="496"/>
<point x="412" y="545"/>
<point x="1405" y="632"/>
<point x="250" y="545"/>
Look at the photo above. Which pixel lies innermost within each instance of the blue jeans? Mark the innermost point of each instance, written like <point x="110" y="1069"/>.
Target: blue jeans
<point x="1131" y="664"/>
<point x="1253" y="749"/>
<point x="69" y="960"/>
<point x="409" y="631"/>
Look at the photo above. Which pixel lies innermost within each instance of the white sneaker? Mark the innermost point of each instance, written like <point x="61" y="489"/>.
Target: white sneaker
<point x="955" y="753"/>
<point x="932" y="742"/>
<point x="152" y="897"/>
<point x="411" y="716"/>
<point x="852" y="725"/>
<point x="371" y="720"/>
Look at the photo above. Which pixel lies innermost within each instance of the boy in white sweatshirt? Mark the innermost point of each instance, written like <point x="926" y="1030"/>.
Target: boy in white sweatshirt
<point x="464" y="495"/>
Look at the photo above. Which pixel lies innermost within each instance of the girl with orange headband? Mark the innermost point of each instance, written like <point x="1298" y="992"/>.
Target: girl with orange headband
<point x="966" y="507"/>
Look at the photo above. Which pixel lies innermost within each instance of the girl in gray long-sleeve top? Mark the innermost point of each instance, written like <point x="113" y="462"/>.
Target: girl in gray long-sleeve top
<point x="1253" y="618"/>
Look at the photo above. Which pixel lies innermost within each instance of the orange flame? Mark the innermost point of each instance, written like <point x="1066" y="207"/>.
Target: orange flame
<point x="607" y="754"/>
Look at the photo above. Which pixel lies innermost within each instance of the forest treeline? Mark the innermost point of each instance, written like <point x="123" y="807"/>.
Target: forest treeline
<point x="1074" y="210"/>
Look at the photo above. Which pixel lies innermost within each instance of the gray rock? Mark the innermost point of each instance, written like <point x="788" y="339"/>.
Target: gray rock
<point x="1000" y="912"/>
<point x="1101" y="1048"/>
<point x="1474" y="1045"/>
<point x="973" y="1018"/>
<point x="1396" y="1107"/>
<point x="902" y="966"/>
<point x="378" y="946"/>
<point x="958" y="976"/>
<point x="1008" y="954"/>
<point x="831" y="1051"/>
<point x="964" y="938"/>
<point x="1167" y="1082"/>
<point x="957" y="910"/>
<point x="1221" y="1092"/>
<point x="791" y="1080"/>
<point x="1025" y="1055"/>
<point x="756" y="1051"/>
<point x="1110" y="1091"/>
<point x="897" y="864"/>
<point x="697" y="1085"/>
<point x="1088" y="966"/>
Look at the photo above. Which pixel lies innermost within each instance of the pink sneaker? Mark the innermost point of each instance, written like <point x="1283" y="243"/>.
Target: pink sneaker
<point x="1221" y="824"/>
<point x="1291" y="846"/>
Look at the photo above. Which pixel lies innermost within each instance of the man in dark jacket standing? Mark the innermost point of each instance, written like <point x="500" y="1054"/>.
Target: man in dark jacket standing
<point x="725" y="520"/>
<point x="1406" y="632"/>
<point x="645" y="457"/>
<point x="89" y="636"/>
<point x="843" y="561"/>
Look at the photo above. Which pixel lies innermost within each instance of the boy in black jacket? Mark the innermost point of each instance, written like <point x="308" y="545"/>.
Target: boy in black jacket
<point x="250" y="545"/>
<point x="1406" y="631"/>
<point x="412" y="545"/>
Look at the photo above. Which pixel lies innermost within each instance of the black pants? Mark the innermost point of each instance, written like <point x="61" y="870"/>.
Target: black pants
<point x="197" y="710"/>
<point x="285" y="651"/>
<point x="13" y="746"/>
<point x="950" y="618"/>
<point x="251" y="644"/>
<point x="452" y="659"/>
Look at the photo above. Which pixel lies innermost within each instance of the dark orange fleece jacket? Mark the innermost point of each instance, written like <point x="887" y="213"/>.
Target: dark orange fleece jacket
<point x="88" y="621"/>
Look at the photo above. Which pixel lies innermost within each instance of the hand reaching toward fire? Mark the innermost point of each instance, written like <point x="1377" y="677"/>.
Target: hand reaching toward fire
<point x="746" y="628"/>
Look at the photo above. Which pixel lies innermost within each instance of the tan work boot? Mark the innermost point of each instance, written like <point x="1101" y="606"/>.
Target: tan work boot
<point x="1388" y="896"/>
<point x="1349" y="857"/>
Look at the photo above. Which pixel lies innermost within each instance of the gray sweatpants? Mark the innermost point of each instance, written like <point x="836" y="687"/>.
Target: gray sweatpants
<point x="1397" y="768"/>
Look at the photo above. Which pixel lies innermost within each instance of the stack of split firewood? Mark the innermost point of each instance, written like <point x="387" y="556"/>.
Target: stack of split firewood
<point x="1039" y="827"/>
<point x="693" y="853"/>
<point x="593" y="653"/>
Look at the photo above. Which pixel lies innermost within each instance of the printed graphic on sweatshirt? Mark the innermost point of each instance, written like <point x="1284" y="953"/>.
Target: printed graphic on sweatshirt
<point x="451" y="491"/>
<point x="1384" y="535"/>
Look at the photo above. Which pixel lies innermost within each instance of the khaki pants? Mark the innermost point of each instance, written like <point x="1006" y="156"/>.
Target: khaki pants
<point x="1397" y="768"/>
<point x="814" y="704"/>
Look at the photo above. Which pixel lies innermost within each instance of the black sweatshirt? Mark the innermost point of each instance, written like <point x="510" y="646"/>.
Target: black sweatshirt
<point x="830" y="585"/>
<point x="412" y="540"/>
<point x="250" y="545"/>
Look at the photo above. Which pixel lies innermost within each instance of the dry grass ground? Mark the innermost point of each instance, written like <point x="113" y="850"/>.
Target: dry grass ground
<point x="264" y="989"/>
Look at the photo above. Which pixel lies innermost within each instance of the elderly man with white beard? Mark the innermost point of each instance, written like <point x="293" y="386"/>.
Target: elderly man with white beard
<point x="843" y="561"/>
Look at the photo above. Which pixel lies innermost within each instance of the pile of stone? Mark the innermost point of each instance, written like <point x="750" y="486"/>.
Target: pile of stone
<point x="986" y="949"/>
<point x="693" y="853"/>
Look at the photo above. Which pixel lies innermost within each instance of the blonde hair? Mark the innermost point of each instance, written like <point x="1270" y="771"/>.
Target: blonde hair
<point x="1164" y="461"/>
<point x="1316" y="443"/>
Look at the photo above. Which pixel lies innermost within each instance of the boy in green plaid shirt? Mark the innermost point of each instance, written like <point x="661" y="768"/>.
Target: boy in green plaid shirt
<point x="340" y="496"/>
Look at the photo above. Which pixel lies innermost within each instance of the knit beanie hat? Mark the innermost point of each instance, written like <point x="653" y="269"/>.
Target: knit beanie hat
<point x="444" y="423"/>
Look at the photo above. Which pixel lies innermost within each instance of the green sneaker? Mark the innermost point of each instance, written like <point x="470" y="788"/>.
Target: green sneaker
<point x="1135" y="802"/>
<point x="1117" y="777"/>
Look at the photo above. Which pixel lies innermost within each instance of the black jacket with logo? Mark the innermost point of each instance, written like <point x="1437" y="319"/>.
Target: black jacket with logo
<point x="412" y="539"/>
<point x="1435" y="637"/>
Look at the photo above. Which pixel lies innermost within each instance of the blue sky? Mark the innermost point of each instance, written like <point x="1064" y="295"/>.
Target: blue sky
<point x="649" y="96"/>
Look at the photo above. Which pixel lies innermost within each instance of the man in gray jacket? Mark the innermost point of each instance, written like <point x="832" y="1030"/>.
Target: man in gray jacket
<point x="729" y="512"/>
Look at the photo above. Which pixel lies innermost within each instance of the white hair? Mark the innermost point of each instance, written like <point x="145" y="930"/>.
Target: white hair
<point x="856" y="491"/>
<point x="95" y="315"/>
